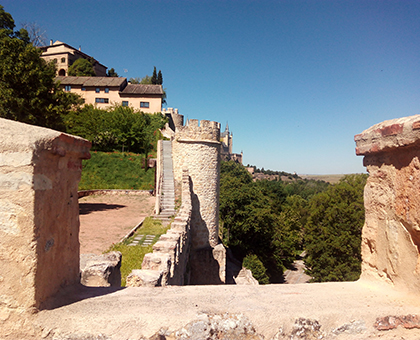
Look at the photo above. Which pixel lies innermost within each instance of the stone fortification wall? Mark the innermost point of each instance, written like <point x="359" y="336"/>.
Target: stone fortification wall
<point x="39" y="214"/>
<point x="175" y="120"/>
<point x="391" y="234"/>
<point x="197" y="148"/>
<point x="168" y="264"/>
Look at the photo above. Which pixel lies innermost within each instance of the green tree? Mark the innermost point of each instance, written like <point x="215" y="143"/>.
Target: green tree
<point x="145" y="80"/>
<point x="28" y="92"/>
<point x="250" y="225"/>
<point x="254" y="264"/>
<point x="112" y="73"/>
<point x="82" y="68"/>
<point x="154" y="76"/>
<point x="160" y="78"/>
<point x="332" y="234"/>
<point x="116" y="128"/>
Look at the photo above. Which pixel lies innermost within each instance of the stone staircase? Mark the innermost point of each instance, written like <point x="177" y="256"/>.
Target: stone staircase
<point x="167" y="200"/>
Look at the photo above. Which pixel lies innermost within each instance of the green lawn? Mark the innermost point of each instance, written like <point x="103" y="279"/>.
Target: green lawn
<point x="116" y="170"/>
<point x="132" y="256"/>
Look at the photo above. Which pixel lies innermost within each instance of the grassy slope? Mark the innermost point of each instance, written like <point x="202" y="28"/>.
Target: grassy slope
<point x="116" y="170"/>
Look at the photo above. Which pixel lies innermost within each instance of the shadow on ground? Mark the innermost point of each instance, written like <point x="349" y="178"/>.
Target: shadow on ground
<point x="87" y="208"/>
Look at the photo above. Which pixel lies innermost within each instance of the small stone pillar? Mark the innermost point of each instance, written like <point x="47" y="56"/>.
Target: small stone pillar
<point x="391" y="234"/>
<point x="39" y="214"/>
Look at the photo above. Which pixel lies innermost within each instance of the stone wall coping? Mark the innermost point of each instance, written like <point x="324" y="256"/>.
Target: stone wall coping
<point x="390" y="134"/>
<point x="129" y="192"/>
<point x="185" y="140"/>
<point x="18" y="137"/>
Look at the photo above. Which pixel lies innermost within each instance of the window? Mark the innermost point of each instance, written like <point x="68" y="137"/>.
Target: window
<point x="106" y="90"/>
<point x="97" y="90"/>
<point x="68" y="88"/>
<point x="125" y="103"/>
<point x="83" y="88"/>
<point x="102" y="100"/>
<point x="144" y="104"/>
<point x="63" y="60"/>
<point x="55" y="61"/>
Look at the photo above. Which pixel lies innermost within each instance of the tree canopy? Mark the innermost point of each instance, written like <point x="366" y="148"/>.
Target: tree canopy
<point x="28" y="92"/>
<point x="82" y="68"/>
<point x="267" y="224"/>
<point x="333" y="231"/>
<point x="116" y="128"/>
<point x="112" y="73"/>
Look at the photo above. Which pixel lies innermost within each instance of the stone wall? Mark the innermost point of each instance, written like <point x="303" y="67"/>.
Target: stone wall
<point x="391" y="234"/>
<point x="197" y="148"/>
<point x="168" y="264"/>
<point x="39" y="229"/>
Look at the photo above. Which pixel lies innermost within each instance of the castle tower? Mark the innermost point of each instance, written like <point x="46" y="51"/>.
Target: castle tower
<point x="197" y="148"/>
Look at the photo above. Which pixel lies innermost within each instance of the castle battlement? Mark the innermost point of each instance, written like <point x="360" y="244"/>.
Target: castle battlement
<point x="206" y="131"/>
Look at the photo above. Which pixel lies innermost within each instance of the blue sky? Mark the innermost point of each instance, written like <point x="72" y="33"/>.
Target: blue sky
<point x="295" y="80"/>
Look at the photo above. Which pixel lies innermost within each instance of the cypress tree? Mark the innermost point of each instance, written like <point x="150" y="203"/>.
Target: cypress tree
<point x="154" y="76"/>
<point x="160" y="78"/>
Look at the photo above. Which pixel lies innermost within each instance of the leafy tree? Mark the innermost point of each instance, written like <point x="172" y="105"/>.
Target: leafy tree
<point x="254" y="264"/>
<point x="82" y="67"/>
<point x="116" y="128"/>
<point x="333" y="231"/>
<point x="249" y="220"/>
<point x="145" y="80"/>
<point x="160" y="78"/>
<point x="154" y="76"/>
<point x="28" y="92"/>
<point x="112" y="73"/>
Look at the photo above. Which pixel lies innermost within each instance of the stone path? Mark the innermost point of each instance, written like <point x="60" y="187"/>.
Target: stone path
<point x="142" y="240"/>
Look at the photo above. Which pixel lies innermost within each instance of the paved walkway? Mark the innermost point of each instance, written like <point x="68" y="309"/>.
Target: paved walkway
<point x="143" y="240"/>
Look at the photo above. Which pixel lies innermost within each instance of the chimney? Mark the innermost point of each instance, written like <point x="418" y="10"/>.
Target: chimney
<point x="80" y="48"/>
<point x="51" y="42"/>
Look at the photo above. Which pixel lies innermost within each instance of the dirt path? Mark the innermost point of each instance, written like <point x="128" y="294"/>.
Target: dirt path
<point x="298" y="275"/>
<point x="105" y="219"/>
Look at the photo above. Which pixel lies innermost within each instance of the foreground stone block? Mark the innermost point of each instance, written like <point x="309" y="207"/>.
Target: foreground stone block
<point x="144" y="278"/>
<point x="39" y="214"/>
<point x="391" y="234"/>
<point x="101" y="270"/>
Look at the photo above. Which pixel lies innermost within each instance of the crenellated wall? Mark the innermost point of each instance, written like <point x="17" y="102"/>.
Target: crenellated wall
<point x="391" y="234"/>
<point x="39" y="214"/>
<point x="197" y="148"/>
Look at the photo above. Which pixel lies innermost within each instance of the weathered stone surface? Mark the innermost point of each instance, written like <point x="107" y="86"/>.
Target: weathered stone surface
<point x="390" y="322"/>
<point x="101" y="270"/>
<point x="144" y="278"/>
<point x="306" y="329"/>
<point x="390" y="134"/>
<point x="39" y="215"/>
<point x="245" y="278"/>
<point x="391" y="234"/>
<point x="216" y="326"/>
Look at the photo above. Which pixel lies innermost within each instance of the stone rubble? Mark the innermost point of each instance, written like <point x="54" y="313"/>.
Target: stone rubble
<point x="101" y="270"/>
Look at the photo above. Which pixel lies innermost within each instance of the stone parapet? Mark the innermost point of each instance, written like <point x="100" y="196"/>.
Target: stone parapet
<point x="207" y="131"/>
<point x="39" y="214"/>
<point x="390" y="134"/>
<point x="168" y="264"/>
<point x="391" y="234"/>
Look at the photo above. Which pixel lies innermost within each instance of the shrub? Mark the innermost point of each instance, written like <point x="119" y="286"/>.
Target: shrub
<point x="253" y="263"/>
